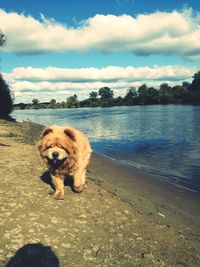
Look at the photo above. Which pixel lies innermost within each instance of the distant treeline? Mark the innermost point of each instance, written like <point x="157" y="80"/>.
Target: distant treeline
<point x="187" y="93"/>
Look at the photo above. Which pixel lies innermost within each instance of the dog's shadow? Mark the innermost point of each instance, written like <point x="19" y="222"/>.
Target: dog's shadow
<point x="46" y="178"/>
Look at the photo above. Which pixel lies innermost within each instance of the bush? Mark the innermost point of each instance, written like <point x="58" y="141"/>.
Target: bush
<point x="6" y="99"/>
<point x="2" y="39"/>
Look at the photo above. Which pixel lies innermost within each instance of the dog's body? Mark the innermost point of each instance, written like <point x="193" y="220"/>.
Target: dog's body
<point x="67" y="152"/>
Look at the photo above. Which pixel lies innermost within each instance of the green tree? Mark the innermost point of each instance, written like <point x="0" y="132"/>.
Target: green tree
<point x="93" y="96"/>
<point x="92" y="101"/>
<point x="166" y="95"/>
<point x="63" y="104"/>
<point x="6" y="99"/>
<point x="195" y="86"/>
<point x="72" y="102"/>
<point x="179" y="93"/>
<point x="165" y="88"/>
<point x="143" y="94"/>
<point x="2" y="39"/>
<point x="53" y="104"/>
<point x="35" y="102"/>
<point x="22" y="105"/>
<point x="131" y="97"/>
<point x="6" y="94"/>
<point x="106" y="97"/>
<point x="148" y="95"/>
<point x="185" y="85"/>
<point x="118" y="101"/>
<point x="194" y="89"/>
<point x="53" y="101"/>
<point x="106" y="93"/>
<point x="153" y="96"/>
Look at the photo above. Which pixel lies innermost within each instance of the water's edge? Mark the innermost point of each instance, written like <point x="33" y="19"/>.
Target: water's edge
<point x="154" y="139"/>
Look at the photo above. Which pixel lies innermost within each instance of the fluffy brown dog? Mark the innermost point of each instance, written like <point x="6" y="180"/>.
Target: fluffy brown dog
<point x="67" y="152"/>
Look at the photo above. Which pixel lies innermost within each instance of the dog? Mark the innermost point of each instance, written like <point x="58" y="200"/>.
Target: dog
<point x="66" y="152"/>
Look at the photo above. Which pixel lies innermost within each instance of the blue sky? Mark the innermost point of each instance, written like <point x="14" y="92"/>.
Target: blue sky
<point x="58" y="48"/>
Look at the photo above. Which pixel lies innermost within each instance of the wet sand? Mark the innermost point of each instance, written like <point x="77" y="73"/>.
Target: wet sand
<point x="146" y="194"/>
<point x="122" y="218"/>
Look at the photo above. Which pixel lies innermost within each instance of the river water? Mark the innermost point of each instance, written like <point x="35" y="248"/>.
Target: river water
<point x="162" y="140"/>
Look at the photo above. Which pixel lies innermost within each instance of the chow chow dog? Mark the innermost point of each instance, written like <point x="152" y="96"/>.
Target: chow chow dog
<point x="66" y="152"/>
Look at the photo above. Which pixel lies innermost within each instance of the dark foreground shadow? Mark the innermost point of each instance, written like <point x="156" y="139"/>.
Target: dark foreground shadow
<point x="46" y="178"/>
<point x="34" y="255"/>
<point x="8" y="118"/>
<point x="4" y="144"/>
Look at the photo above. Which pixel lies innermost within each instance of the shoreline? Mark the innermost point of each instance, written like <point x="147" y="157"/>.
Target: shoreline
<point x="146" y="174"/>
<point x="135" y="179"/>
<point x="162" y="156"/>
<point x="144" y="192"/>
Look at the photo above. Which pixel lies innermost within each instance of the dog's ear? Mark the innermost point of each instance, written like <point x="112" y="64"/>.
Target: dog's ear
<point x="45" y="132"/>
<point x="70" y="133"/>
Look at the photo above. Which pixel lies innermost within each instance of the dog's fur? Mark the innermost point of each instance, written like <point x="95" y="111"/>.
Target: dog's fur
<point x="67" y="153"/>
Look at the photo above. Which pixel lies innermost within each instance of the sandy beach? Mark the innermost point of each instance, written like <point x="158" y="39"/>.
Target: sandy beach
<point x="123" y="218"/>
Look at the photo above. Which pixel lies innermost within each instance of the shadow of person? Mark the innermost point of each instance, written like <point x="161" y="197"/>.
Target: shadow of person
<point x="34" y="255"/>
<point x="46" y="178"/>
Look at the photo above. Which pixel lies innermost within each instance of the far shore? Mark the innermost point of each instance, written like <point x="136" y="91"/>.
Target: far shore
<point x="122" y="218"/>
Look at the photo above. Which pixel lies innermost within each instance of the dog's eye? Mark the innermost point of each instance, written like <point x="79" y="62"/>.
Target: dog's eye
<point x="60" y="146"/>
<point x="65" y="150"/>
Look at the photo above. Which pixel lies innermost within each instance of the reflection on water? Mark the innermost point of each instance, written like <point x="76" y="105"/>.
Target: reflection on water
<point x="162" y="140"/>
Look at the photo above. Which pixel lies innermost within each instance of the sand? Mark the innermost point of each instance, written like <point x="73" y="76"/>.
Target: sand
<point x="122" y="218"/>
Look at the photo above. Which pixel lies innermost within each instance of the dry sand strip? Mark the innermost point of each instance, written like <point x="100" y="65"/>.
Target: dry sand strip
<point x="102" y="226"/>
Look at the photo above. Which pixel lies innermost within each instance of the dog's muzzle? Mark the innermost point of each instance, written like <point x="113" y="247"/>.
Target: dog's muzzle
<point x="55" y="162"/>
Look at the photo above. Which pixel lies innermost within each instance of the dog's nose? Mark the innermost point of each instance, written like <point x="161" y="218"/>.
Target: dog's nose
<point x="55" y="155"/>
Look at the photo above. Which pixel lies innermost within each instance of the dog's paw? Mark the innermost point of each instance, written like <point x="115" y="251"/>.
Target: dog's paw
<point x="59" y="196"/>
<point x="78" y="189"/>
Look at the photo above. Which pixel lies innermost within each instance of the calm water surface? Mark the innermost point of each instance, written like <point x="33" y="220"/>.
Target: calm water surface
<point x="163" y="140"/>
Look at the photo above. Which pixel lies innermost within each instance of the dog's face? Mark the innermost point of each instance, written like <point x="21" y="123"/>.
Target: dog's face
<point x="57" y="144"/>
<point x="55" y="151"/>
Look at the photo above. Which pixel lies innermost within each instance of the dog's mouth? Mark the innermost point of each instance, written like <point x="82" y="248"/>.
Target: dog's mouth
<point x="56" y="163"/>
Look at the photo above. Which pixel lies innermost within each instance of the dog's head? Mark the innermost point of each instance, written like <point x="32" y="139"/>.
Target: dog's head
<point x="57" y="144"/>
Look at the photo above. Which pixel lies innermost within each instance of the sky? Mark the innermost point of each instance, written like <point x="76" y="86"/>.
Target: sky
<point x="55" y="49"/>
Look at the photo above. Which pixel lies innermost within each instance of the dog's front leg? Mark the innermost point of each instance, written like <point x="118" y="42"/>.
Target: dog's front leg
<point x="59" y="186"/>
<point x="78" y="181"/>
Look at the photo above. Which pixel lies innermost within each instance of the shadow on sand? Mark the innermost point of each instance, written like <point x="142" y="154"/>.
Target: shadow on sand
<point x="46" y="178"/>
<point x="34" y="255"/>
<point x="4" y="144"/>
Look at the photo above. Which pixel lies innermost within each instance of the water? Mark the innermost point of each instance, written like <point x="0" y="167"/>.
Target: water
<point x="163" y="140"/>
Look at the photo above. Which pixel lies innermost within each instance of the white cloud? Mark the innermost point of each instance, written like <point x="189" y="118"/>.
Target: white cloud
<point x="156" y="33"/>
<point x="107" y="74"/>
<point x="45" y="84"/>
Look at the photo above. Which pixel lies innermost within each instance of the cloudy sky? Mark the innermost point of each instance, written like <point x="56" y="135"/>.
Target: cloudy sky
<point x="59" y="48"/>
